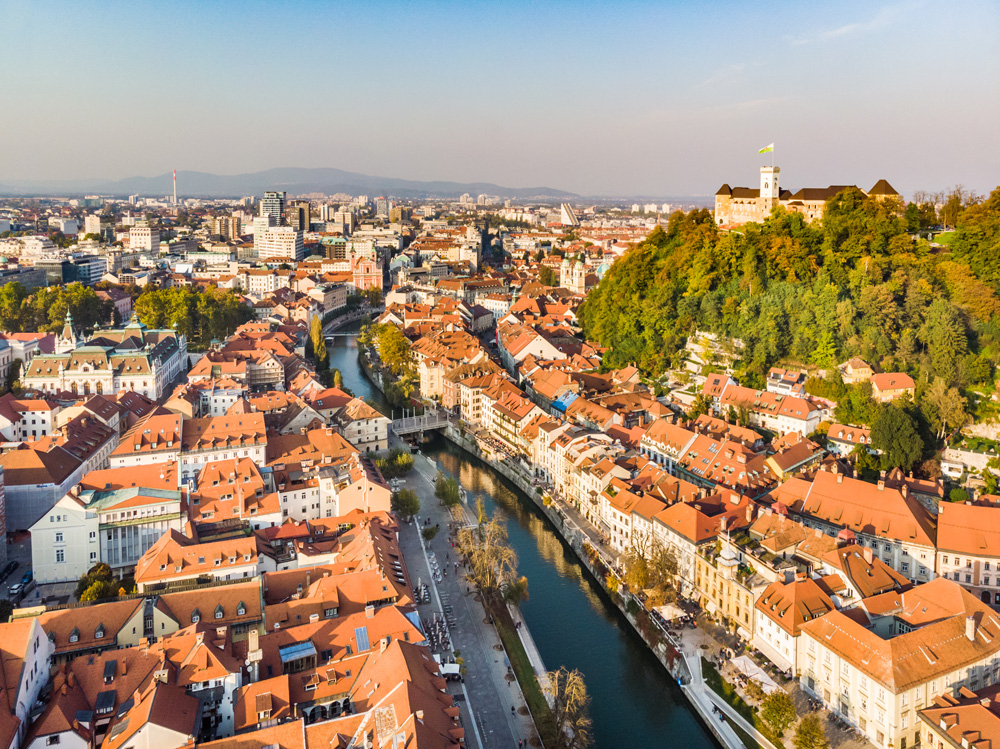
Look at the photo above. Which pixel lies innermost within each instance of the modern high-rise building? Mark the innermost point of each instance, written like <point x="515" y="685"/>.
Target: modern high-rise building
<point x="567" y="216"/>
<point x="382" y="207"/>
<point x="273" y="204"/>
<point x="298" y="215"/>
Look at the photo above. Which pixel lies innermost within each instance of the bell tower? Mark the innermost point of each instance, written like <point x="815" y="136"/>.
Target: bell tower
<point x="768" y="190"/>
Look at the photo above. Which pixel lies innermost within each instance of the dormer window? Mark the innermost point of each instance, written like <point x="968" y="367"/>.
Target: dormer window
<point x="74" y="636"/>
<point x="219" y="611"/>
<point x="241" y="609"/>
<point x="99" y="633"/>
<point x="195" y="616"/>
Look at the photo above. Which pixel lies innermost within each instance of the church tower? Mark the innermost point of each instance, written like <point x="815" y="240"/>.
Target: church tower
<point x="67" y="339"/>
<point x="768" y="190"/>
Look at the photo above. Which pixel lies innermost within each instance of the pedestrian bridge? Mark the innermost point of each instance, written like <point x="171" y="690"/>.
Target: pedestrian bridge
<point x="412" y="424"/>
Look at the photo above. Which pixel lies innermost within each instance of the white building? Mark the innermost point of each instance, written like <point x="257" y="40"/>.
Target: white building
<point x="144" y="238"/>
<point x="279" y="242"/>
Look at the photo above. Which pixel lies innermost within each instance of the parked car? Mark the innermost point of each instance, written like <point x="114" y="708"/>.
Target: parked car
<point x="15" y="591"/>
<point x="8" y="568"/>
<point x="26" y="578"/>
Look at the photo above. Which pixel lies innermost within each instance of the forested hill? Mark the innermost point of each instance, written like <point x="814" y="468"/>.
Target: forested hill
<point x="856" y="284"/>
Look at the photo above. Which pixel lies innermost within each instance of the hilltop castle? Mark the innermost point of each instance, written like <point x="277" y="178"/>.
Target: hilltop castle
<point x="742" y="205"/>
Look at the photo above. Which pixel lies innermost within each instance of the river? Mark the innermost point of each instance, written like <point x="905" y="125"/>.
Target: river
<point x="634" y="700"/>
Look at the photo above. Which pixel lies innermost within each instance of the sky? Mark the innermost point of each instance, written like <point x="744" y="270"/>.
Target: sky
<point x="618" y="98"/>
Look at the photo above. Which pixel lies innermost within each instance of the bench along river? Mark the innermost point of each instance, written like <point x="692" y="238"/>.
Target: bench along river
<point x="635" y="702"/>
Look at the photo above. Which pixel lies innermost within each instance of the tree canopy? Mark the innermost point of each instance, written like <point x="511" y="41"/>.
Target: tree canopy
<point x="202" y="316"/>
<point x="855" y="283"/>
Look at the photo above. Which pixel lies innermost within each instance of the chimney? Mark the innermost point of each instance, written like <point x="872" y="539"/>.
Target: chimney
<point x="750" y="512"/>
<point x="124" y="663"/>
<point x="254" y="640"/>
<point x="840" y="477"/>
<point x="985" y="702"/>
<point x="905" y="490"/>
<point x="881" y="483"/>
<point x="369" y="611"/>
<point x="970" y="628"/>
<point x="199" y="638"/>
<point x="867" y="553"/>
<point x="313" y="618"/>
<point x="420" y="715"/>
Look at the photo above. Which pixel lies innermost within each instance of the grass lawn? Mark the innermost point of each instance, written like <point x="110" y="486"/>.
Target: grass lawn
<point x="748" y="741"/>
<point x="728" y="693"/>
<point x="944" y="237"/>
<point x="519" y="662"/>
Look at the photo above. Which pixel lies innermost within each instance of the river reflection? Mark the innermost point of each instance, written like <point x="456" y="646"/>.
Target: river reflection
<point x="573" y="623"/>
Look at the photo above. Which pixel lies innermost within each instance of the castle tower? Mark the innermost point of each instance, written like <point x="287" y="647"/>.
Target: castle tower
<point x="768" y="190"/>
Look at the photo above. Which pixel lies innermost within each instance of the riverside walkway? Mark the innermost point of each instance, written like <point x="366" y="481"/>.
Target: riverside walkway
<point x="487" y="695"/>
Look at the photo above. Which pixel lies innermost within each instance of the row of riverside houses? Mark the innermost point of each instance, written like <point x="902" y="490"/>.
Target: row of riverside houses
<point x="273" y="603"/>
<point x="880" y="599"/>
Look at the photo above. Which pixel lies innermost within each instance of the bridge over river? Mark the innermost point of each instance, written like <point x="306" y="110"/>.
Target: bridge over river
<point x="426" y="422"/>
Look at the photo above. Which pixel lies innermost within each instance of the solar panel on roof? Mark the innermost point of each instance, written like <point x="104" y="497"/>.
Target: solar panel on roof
<point x="361" y="636"/>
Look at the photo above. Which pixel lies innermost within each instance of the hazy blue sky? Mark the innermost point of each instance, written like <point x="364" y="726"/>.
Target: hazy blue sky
<point x="598" y="98"/>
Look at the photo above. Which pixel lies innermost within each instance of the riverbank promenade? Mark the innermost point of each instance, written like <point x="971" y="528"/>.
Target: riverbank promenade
<point x="489" y="691"/>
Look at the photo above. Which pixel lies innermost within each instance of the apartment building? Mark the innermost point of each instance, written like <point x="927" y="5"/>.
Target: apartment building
<point x="879" y="669"/>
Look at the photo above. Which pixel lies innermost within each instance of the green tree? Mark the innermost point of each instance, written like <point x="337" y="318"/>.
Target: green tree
<point x="405" y="503"/>
<point x="12" y="300"/>
<point x="318" y="344"/>
<point x="894" y="432"/>
<point x="338" y="379"/>
<point x="946" y="339"/>
<point x="778" y="711"/>
<point x="702" y="405"/>
<point x="13" y="384"/>
<point x="958" y="494"/>
<point x="447" y="490"/>
<point x="98" y="574"/>
<point x="825" y="354"/>
<point x="809" y="734"/>
<point x="99" y="590"/>
<point x="394" y="349"/>
<point x="547" y="276"/>
<point x="944" y="407"/>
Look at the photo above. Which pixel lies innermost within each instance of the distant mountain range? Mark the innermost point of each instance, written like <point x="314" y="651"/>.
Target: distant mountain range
<point x="293" y="180"/>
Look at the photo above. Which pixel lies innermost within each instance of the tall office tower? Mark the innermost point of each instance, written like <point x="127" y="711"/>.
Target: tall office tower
<point x="382" y="207"/>
<point x="273" y="204"/>
<point x="298" y="215"/>
<point x="324" y="212"/>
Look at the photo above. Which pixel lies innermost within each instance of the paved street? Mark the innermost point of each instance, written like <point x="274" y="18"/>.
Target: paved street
<point x="487" y="695"/>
